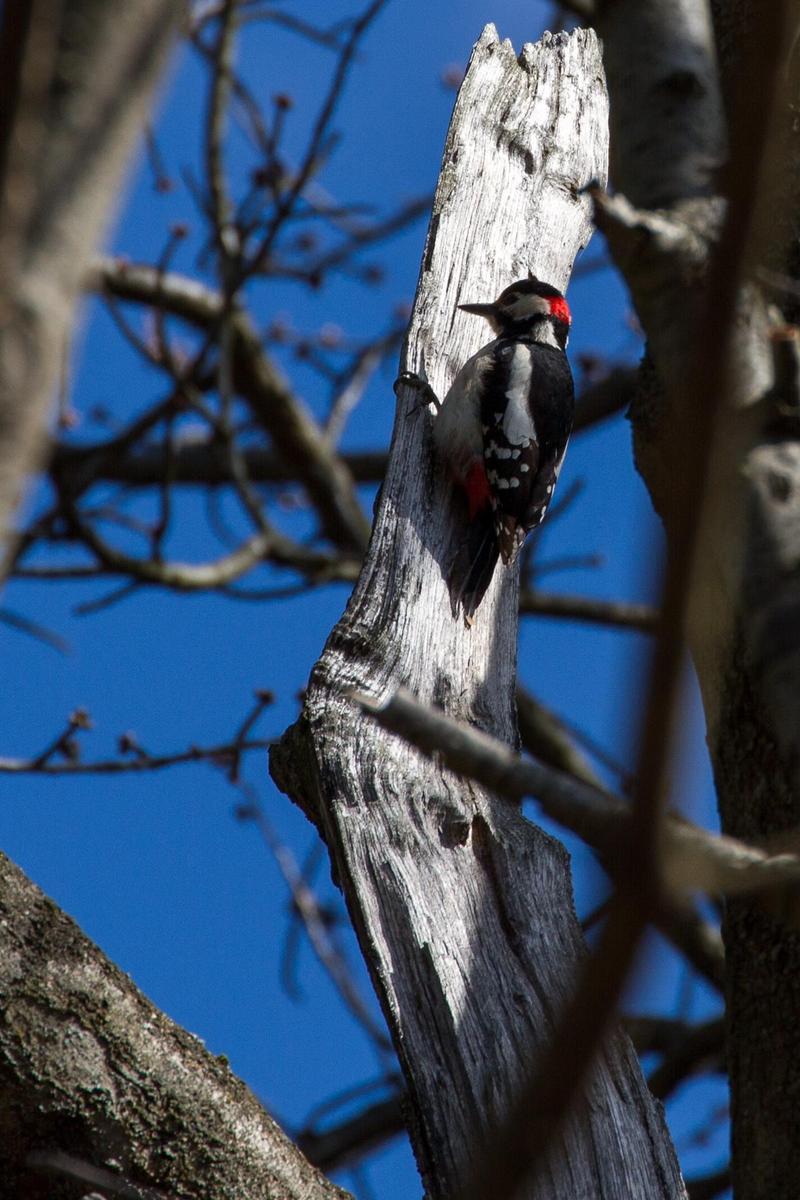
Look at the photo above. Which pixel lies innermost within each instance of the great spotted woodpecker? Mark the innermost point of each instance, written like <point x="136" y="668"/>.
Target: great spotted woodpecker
<point x="502" y="429"/>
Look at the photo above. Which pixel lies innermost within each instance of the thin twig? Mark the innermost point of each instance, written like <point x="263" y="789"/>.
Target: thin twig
<point x="317" y="928"/>
<point x="349" y="397"/>
<point x="295" y="433"/>
<point x="218" y="755"/>
<point x="286" y="204"/>
<point x="34" y="629"/>
<point x="219" y="94"/>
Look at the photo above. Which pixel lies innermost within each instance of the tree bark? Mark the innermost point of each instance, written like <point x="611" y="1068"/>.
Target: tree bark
<point x="463" y="908"/>
<point x="77" y="80"/>
<point x="96" y="1082"/>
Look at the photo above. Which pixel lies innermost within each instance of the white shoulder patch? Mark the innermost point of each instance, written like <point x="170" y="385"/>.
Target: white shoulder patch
<point x="518" y="423"/>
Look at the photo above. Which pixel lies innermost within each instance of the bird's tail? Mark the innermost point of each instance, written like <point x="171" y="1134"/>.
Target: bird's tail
<point x="473" y="566"/>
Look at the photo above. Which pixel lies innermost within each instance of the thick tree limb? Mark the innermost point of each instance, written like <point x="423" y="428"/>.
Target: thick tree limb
<point x="697" y="939"/>
<point x="708" y="1187"/>
<point x="547" y="738"/>
<point x="89" y="1069"/>
<point x="200" y="463"/>
<point x="462" y="908"/>
<point x="685" y="1049"/>
<point x="667" y="130"/>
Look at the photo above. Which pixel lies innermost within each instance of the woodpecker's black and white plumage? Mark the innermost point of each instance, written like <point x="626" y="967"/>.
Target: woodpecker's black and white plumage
<point x="503" y="429"/>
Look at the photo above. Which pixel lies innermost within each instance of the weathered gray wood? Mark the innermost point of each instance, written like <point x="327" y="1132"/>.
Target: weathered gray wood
<point x="463" y="909"/>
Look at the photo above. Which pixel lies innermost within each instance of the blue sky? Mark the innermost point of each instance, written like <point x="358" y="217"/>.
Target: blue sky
<point x="156" y="868"/>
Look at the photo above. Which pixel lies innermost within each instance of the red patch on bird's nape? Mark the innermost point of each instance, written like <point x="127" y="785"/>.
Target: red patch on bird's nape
<point x="560" y="310"/>
<point x="477" y="488"/>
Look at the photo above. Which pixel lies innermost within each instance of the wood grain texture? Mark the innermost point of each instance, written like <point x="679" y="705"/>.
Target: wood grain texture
<point x="464" y="909"/>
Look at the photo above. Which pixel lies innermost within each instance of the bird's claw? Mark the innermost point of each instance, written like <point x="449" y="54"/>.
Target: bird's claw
<point x="417" y="383"/>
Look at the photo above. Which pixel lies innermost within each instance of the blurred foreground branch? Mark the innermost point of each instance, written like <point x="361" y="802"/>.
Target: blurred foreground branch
<point x="60" y="165"/>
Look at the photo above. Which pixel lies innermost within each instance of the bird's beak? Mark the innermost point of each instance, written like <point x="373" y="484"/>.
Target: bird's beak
<point x="480" y="310"/>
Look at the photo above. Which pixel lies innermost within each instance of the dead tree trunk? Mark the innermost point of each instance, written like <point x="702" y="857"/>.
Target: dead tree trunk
<point x="464" y="909"/>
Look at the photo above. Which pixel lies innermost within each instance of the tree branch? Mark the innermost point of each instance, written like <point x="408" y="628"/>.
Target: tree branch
<point x="300" y="443"/>
<point x="356" y="1137"/>
<point x="221" y="755"/>
<point x="692" y="857"/>
<point x="700" y="1045"/>
<point x="642" y="617"/>
<point x="201" y="462"/>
